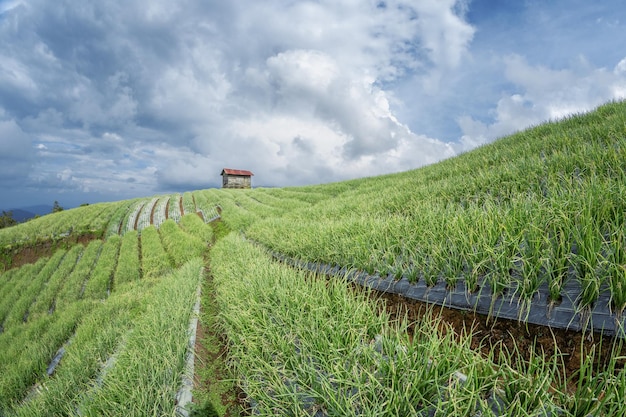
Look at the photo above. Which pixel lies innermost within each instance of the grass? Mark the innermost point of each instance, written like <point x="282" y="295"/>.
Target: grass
<point x="124" y="352"/>
<point x="154" y="259"/>
<point x="153" y="356"/>
<point x="180" y="245"/>
<point x="215" y="393"/>
<point x="535" y="204"/>
<point x="128" y="268"/>
<point x="531" y="210"/>
<point x="300" y="344"/>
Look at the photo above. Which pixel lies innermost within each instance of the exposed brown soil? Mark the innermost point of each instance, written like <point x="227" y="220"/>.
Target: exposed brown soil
<point x="490" y="335"/>
<point x="152" y="213"/>
<point x="195" y="206"/>
<point x="30" y="253"/>
<point x="137" y="218"/>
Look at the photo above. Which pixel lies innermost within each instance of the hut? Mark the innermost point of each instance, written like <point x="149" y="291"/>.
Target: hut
<point x="236" y="178"/>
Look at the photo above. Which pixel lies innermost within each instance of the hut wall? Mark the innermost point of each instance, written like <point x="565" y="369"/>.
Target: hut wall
<point x="236" y="181"/>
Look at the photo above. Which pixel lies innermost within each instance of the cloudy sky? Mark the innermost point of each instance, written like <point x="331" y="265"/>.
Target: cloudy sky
<point x="107" y="100"/>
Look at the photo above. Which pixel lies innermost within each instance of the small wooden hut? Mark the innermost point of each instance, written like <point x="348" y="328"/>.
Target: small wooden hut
<point x="236" y="178"/>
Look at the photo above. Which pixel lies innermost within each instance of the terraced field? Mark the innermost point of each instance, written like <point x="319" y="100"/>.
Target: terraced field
<point x="531" y="227"/>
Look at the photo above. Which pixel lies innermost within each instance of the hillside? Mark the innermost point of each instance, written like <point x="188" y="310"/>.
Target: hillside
<point x="533" y="224"/>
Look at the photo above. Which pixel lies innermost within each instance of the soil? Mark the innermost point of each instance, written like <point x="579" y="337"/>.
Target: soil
<point x="137" y="218"/>
<point x="30" y="253"/>
<point x="195" y="206"/>
<point x="492" y="336"/>
<point x="152" y="213"/>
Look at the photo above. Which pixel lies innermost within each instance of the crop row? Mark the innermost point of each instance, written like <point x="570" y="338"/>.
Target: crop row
<point x="130" y="221"/>
<point x="28" y="349"/>
<point x="154" y="259"/>
<point x="302" y="345"/>
<point x="59" y="302"/>
<point x="536" y="209"/>
<point x="145" y="217"/>
<point x="180" y="245"/>
<point x="189" y="205"/>
<point x="160" y="213"/>
<point x="116" y="222"/>
<point x="87" y="219"/>
<point x="175" y="207"/>
<point x="15" y="304"/>
<point x="107" y="219"/>
<point x="128" y="263"/>
<point x="194" y="225"/>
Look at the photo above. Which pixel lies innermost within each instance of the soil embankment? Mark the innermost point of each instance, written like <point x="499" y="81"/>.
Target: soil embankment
<point x="30" y="253"/>
<point x="493" y="336"/>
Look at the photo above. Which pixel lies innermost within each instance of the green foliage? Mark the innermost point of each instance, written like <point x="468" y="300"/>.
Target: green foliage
<point x="128" y="265"/>
<point x="518" y="212"/>
<point x="193" y="225"/>
<point x="154" y="259"/>
<point x="180" y="246"/>
<point x="75" y="282"/>
<point x="91" y="219"/>
<point x="56" y="207"/>
<point x="148" y="368"/>
<point x="28" y="349"/>
<point x="300" y="343"/>
<point x="44" y="302"/>
<point x="101" y="331"/>
<point x="7" y="220"/>
<point x="14" y="306"/>
<point x="531" y="209"/>
<point x="188" y="203"/>
<point x="98" y="285"/>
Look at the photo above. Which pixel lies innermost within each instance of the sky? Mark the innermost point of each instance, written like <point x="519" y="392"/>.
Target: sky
<point x="109" y="100"/>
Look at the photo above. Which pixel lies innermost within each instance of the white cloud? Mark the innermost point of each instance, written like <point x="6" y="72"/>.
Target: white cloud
<point x="8" y="5"/>
<point x="544" y="94"/>
<point x="135" y="97"/>
<point x="620" y="67"/>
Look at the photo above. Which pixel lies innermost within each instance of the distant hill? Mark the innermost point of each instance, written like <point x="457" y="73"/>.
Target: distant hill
<point x="22" y="214"/>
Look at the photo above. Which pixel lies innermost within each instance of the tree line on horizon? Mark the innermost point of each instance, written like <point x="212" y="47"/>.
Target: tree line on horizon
<point x="7" y="220"/>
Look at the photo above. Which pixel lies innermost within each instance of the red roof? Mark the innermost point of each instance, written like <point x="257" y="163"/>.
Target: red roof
<point x="229" y="171"/>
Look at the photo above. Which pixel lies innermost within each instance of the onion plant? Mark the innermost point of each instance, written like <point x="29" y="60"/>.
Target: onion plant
<point x="193" y="225"/>
<point x="180" y="246"/>
<point x="18" y="283"/>
<point x="174" y="207"/>
<point x="23" y="296"/>
<point x="44" y="300"/>
<point x="98" y="286"/>
<point x="148" y="370"/>
<point x="154" y="259"/>
<point x="71" y="290"/>
<point x="302" y="344"/>
<point x="189" y="206"/>
<point x="128" y="267"/>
